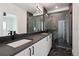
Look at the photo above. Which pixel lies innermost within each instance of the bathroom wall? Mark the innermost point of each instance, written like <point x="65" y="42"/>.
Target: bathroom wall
<point x="75" y="29"/>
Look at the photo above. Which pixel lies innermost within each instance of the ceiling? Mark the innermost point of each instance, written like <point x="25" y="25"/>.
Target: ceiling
<point x="31" y="7"/>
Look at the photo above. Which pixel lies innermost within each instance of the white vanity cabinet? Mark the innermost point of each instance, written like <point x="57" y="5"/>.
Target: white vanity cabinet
<point x="41" y="48"/>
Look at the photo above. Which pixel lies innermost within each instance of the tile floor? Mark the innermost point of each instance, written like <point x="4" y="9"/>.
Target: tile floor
<point x="58" y="51"/>
<point x="62" y="48"/>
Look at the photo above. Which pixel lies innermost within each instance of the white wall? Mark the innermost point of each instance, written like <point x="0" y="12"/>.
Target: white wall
<point x="20" y="13"/>
<point x="0" y="26"/>
<point x="75" y="29"/>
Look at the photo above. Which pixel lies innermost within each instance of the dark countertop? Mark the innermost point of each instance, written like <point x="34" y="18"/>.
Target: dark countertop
<point x="6" y="50"/>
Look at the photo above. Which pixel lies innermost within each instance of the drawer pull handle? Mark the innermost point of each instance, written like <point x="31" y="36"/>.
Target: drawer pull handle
<point x="33" y="50"/>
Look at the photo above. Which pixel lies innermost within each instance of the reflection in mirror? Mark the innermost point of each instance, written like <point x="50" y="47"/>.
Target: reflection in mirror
<point x="38" y="25"/>
<point x="4" y="25"/>
<point x="8" y="24"/>
<point x="35" y="23"/>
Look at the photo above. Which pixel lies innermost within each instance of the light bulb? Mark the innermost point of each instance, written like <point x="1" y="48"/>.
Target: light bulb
<point x="56" y="7"/>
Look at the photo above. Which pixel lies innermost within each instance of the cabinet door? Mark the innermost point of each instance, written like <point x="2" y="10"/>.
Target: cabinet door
<point x="50" y="41"/>
<point x="26" y="52"/>
<point x="40" y="48"/>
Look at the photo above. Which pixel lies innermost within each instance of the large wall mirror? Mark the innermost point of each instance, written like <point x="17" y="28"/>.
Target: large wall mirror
<point x="8" y="24"/>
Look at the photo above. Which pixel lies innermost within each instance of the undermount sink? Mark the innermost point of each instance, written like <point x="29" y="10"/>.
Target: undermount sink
<point x="44" y="33"/>
<point x="19" y="43"/>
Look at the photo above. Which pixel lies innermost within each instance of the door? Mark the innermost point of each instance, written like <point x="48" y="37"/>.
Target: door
<point x="40" y="48"/>
<point x="50" y="42"/>
<point x="61" y="33"/>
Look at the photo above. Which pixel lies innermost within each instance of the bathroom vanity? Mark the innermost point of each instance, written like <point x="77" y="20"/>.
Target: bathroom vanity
<point x="38" y="44"/>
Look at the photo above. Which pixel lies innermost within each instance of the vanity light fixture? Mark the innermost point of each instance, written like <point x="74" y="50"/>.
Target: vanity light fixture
<point x="38" y="9"/>
<point x="46" y="14"/>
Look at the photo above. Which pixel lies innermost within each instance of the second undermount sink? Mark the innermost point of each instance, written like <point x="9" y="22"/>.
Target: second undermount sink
<point x="44" y="33"/>
<point x="19" y="43"/>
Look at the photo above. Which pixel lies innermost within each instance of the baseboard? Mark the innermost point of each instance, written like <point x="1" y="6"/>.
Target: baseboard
<point x="73" y="53"/>
<point x="62" y="47"/>
<point x="49" y="52"/>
